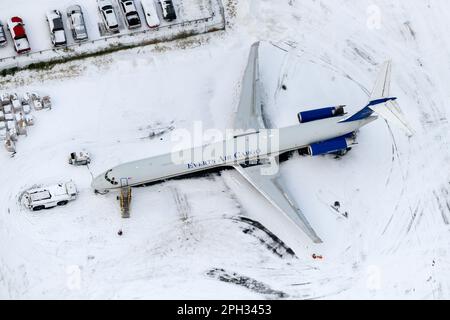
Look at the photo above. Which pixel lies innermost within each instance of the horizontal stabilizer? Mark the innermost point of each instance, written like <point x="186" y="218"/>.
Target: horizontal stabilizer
<point x="382" y="103"/>
<point x="391" y="112"/>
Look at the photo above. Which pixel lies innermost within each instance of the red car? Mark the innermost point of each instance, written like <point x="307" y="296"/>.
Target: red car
<point x="18" y="34"/>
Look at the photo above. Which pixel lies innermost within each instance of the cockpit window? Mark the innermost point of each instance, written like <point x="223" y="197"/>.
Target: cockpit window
<point x="111" y="180"/>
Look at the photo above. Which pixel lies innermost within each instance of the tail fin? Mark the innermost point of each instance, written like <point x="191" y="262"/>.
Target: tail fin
<point x="382" y="87"/>
<point x="381" y="103"/>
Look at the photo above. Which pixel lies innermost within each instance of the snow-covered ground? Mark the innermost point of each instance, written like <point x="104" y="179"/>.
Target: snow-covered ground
<point x="186" y="235"/>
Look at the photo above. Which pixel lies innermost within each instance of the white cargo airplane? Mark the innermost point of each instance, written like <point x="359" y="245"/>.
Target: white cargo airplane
<point x="320" y="131"/>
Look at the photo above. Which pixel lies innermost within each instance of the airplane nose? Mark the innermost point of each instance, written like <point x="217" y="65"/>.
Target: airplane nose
<point x="98" y="184"/>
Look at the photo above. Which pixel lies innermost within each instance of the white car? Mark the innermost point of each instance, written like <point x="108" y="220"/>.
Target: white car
<point x="130" y="13"/>
<point x="77" y="24"/>
<point x="17" y="30"/>
<point x="151" y="15"/>
<point x="168" y="10"/>
<point x="50" y="196"/>
<point x="108" y="15"/>
<point x="3" y="40"/>
<point x="56" y="26"/>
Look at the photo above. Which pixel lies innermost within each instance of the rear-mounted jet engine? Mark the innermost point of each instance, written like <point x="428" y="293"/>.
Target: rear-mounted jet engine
<point x="319" y="114"/>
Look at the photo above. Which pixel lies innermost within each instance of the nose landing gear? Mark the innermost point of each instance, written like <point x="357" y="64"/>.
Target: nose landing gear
<point x="101" y="192"/>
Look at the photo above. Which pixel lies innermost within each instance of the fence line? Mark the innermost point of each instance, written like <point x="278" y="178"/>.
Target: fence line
<point x="169" y="32"/>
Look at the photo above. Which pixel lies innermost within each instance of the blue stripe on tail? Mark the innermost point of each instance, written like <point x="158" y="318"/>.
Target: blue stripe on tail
<point x="367" y="111"/>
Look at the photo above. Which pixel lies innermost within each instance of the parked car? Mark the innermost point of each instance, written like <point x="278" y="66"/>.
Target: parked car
<point x="51" y="196"/>
<point x="76" y="23"/>
<point x="130" y="13"/>
<point x="168" y="10"/>
<point x="17" y="30"/>
<point x="56" y="26"/>
<point x="150" y="13"/>
<point x="3" y="40"/>
<point x="108" y="15"/>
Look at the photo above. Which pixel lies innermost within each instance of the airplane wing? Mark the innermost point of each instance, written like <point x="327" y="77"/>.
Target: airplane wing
<point x="249" y="112"/>
<point x="271" y="188"/>
<point x="249" y="116"/>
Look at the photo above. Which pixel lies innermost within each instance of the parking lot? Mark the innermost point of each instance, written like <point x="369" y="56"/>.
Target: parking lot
<point x="38" y="31"/>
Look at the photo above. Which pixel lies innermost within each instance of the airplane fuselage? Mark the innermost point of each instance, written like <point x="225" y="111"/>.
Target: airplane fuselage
<point x="236" y="150"/>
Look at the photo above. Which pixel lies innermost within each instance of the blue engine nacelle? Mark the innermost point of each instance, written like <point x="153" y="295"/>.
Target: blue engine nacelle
<point x="318" y="114"/>
<point x="332" y="145"/>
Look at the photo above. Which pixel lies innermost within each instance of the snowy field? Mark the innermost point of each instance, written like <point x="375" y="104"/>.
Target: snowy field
<point x="203" y="237"/>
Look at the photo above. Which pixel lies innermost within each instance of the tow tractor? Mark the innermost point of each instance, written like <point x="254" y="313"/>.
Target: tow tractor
<point x="79" y="158"/>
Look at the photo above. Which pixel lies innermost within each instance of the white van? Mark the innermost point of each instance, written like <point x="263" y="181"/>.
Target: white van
<point x="50" y="196"/>
<point x="151" y="15"/>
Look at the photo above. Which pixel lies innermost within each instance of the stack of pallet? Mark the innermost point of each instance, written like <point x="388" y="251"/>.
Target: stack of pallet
<point x="16" y="117"/>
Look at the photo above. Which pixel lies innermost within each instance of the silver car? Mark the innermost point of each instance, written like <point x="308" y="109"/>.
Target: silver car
<point x="2" y="36"/>
<point x="56" y="26"/>
<point x="108" y="15"/>
<point x="77" y="24"/>
<point x="130" y="13"/>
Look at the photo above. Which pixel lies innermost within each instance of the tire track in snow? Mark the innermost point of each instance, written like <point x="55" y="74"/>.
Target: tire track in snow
<point x="442" y="210"/>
